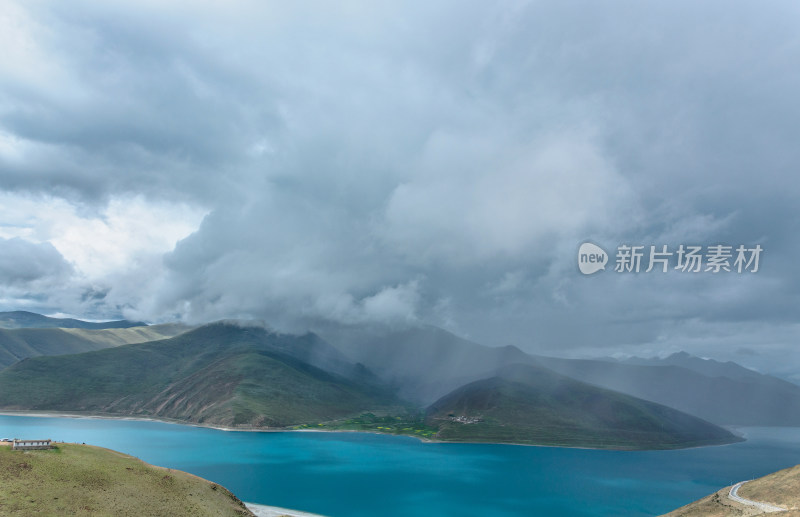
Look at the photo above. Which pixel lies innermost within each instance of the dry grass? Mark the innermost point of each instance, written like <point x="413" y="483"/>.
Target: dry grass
<point x="778" y="489"/>
<point x="85" y="480"/>
<point x="128" y="336"/>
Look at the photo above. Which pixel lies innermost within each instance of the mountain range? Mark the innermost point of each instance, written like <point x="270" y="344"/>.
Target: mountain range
<point x="25" y="319"/>
<point x="237" y="374"/>
<point x="723" y="393"/>
<point x="425" y="363"/>
<point x="218" y="374"/>
<point x="20" y="343"/>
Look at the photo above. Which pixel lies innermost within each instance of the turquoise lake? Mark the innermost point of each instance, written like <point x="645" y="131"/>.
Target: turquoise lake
<point x="355" y="474"/>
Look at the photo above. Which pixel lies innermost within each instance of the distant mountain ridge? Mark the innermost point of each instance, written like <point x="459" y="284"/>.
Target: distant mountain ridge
<point x="21" y="343"/>
<point x="724" y="393"/>
<point x="707" y="367"/>
<point x="25" y="319"/>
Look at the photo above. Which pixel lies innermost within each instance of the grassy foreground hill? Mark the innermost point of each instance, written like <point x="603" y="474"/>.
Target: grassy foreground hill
<point x="531" y="404"/>
<point x="781" y="489"/>
<point x="219" y="374"/>
<point x="86" y="480"/>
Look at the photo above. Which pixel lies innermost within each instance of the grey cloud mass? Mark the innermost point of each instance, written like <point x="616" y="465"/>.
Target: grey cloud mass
<point x="419" y="162"/>
<point x="24" y="264"/>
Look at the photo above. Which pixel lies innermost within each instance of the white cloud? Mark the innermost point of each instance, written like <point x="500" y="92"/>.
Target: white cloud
<point x="30" y="266"/>
<point x="112" y="240"/>
<point x="411" y="161"/>
<point x="126" y="230"/>
<point x="395" y="303"/>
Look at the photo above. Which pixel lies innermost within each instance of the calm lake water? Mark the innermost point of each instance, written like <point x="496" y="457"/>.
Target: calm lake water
<point x="354" y="474"/>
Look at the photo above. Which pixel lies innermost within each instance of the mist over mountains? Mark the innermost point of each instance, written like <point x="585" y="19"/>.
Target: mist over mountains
<point x="427" y="362"/>
<point x="238" y="373"/>
<point x="525" y="403"/>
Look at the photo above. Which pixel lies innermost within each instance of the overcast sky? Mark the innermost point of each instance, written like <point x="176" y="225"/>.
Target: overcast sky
<point x="406" y="162"/>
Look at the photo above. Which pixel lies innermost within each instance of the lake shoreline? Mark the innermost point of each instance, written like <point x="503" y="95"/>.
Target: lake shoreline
<point x="349" y="474"/>
<point x="263" y="510"/>
<point x="87" y="415"/>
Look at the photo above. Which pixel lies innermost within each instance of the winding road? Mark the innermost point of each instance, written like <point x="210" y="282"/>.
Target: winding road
<point x="764" y="507"/>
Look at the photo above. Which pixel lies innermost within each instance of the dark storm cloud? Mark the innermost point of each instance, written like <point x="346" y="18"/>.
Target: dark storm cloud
<point x="132" y="106"/>
<point x="436" y="163"/>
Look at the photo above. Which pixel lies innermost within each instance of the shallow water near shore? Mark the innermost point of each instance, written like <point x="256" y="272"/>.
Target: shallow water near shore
<point x="355" y="474"/>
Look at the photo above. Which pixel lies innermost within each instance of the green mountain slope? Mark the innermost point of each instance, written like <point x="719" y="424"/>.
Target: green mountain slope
<point x="221" y="374"/>
<point x="530" y="404"/>
<point x="25" y="319"/>
<point x="21" y="343"/>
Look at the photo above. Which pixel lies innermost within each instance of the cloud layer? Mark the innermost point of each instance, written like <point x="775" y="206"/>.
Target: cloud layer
<point x="405" y="163"/>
